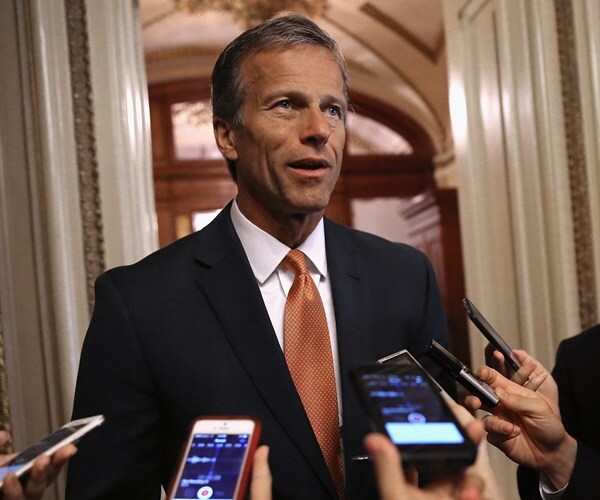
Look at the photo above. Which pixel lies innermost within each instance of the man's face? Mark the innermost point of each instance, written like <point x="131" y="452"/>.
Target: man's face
<point x="288" y="152"/>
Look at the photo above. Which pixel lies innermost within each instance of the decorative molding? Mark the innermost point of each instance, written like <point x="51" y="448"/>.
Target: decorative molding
<point x="433" y="54"/>
<point x="188" y="52"/>
<point x="5" y="421"/>
<point x="582" y="224"/>
<point x="87" y="165"/>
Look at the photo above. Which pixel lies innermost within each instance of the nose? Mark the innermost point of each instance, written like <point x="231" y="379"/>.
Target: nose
<point x="316" y="129"/>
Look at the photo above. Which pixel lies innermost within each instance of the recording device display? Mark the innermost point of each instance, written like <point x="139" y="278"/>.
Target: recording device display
<point x="403" y="401"/>
<point x="216" y="459"/>
<point x="462" y="373"/>
<point x="492" y="335"/>
<point x="68" y="433"/>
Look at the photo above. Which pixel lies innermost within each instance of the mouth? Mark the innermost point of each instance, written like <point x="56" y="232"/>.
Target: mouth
<point x="309" y="164"/>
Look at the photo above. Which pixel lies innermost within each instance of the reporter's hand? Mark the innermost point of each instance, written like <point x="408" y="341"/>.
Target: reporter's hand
<point x="525" y="428"/>
<point x="43" y="473"/>
<point x="532" y="374"/>
<point x="393" y="484"/>
<point x="261" y="481"/>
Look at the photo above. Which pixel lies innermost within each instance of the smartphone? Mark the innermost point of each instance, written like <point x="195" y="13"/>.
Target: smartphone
<point x="462" y="373"/>
<point x="492" y="335"/>
<point x="216" y="459"/>
<point x="403" y="401"/>
<point x="68" y="433"/>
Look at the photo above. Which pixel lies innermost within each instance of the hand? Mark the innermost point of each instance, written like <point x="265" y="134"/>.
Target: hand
<point x="43" y="473"/>
<point x="525" y="427"/>
<point x="531" y="374"/>
<point x="475" y="482"/>
<point x="260" y="486"/>
<point x="394" y="485"/>
<point x="467" y="485"/>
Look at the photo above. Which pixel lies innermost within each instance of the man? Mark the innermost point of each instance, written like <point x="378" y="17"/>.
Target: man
<point x="198" y="327"/>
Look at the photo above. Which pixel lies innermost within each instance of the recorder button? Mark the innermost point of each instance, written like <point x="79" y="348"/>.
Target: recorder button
<point x="416" y="418"/>
<point x="205" y="492"/>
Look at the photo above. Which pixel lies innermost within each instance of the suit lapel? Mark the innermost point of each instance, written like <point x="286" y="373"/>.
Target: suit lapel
<point x="349" y="286"/>
<point x="226" y="278"/>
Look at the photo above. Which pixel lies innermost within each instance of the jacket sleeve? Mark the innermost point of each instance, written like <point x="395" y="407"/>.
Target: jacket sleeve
<point x="120" y="459"/>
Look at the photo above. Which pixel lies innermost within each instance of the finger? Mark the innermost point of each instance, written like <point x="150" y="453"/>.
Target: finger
<point x="475" y="430"/>
<point x="534" y="383"/>
<point x="495" y="359"/>
<point x="4" y="438"/>
<point x="497" y="380"/>
<point x="471" y="487"/>
<point x="474" y="427"/>
<point x="6" y="458"/>
<point x="38" y="481"/>
<point x="489" y="355"/>
<point x="521" y="376"/>
<point x="522" y="402"/>
<point x="472" y="403"/>
<point x="499" y="426"/>
<point x="11" y="488"/>
<point x="58" y="460"/>
<point x="388" y="467"/>
<point x="260" y="486"/>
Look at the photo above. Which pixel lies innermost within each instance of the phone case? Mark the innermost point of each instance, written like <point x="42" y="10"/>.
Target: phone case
<point x="245" y="472"/>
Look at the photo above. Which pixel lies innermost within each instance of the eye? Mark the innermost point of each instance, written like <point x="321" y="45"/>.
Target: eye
<point x="333" y="111"/>
<point x="284" y="104"/>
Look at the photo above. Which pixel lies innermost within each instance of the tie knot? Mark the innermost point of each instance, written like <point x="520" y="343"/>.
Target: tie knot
<point x="296" y="261"/>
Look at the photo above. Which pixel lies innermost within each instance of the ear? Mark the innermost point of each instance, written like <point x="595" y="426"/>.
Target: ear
<point x="225" y="137"/>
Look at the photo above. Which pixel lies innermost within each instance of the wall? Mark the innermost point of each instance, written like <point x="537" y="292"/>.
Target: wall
<point x="524" y="106"/>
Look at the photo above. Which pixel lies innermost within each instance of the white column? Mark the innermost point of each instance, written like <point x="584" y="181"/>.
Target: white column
<point x="122" y="123"/>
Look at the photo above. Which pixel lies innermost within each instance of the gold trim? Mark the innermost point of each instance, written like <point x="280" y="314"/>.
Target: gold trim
<point x="578" y="181"/>
<point x="5" y="420"/>
<point x="186" y="52"/>
<point x="85" y="138"/>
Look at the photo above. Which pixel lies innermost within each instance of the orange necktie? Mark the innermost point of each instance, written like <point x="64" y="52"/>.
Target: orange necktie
<point x="308" y="354"/>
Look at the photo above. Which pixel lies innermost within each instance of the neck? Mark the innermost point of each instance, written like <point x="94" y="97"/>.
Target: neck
<point x="290" y="229"/>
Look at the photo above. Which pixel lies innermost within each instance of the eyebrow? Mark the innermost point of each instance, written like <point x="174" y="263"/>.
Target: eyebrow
<point x="296" y="94"/>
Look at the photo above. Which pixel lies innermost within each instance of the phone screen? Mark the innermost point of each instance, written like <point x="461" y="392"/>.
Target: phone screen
<point x="403" y="401"/>
<point x="409" y="412"/>
<point x="212" y="466"/>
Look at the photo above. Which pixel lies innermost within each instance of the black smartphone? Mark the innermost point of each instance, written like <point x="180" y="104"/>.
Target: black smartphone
<point x="216" y="459"/>
<point x="403" y="401"/>
<point x="68" y="433"/>
<point x="492" y="335"/>
<point x="462" y="373"/>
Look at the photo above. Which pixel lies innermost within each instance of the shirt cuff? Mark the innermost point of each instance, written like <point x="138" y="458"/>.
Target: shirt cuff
<point x="548" y="491"/>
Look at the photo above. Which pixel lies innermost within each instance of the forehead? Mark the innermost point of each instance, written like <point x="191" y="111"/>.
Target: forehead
<point x="306" y="65"/>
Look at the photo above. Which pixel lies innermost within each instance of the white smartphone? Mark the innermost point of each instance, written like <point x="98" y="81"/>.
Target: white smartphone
<point x="216" y="460"/>
<point x="68" y="433"/>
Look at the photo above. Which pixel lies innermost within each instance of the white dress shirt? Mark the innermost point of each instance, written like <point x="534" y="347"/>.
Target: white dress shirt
<point x="265" y="254"/>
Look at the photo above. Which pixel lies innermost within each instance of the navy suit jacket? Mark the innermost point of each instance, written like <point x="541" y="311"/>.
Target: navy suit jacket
<point x="577" y="374"/>
<point x="185" y="332"/>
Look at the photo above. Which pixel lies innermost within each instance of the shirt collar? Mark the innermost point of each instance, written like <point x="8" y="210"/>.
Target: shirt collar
<point x="265" y="252"/>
